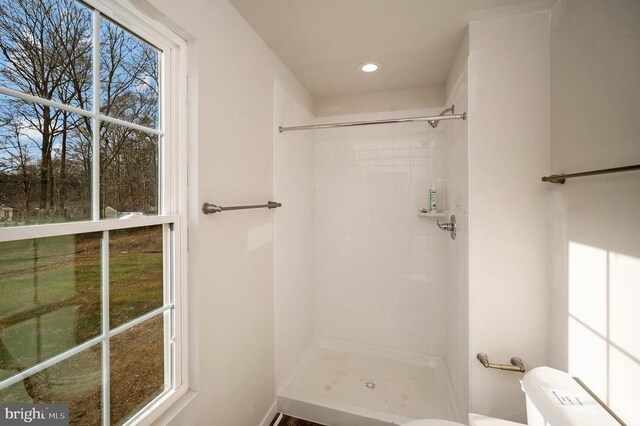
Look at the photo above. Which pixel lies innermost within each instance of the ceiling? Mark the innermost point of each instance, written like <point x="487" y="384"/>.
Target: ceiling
<point x="323" y="41"/>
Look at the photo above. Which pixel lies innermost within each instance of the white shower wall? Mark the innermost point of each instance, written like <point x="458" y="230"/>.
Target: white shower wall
<point x="293" y="235"/>
<point x="380" y="271"/>
<point x="458" y="199"/>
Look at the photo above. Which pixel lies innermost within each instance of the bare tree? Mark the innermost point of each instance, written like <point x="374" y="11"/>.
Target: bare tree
<point x="46" y="51"/>
<point x="19" y="161"/>
<point x="129" y="84"/>
<point x="41" y="41"/>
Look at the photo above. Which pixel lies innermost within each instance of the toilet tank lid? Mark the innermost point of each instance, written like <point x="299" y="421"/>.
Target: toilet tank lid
<point x="561" y="401"/>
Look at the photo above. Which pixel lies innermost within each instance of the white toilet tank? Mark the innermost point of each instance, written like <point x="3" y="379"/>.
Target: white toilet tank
<point x="554" y="398"/>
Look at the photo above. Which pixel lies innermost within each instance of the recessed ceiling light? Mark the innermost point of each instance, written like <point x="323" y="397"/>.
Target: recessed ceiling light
<point x="369" y="67"/>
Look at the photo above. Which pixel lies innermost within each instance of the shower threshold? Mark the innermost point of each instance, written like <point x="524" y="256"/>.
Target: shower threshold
<point x="347" y="384"/>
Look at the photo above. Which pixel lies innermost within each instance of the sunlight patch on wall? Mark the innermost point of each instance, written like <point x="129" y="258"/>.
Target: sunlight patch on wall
<point x="588" y="286"/>
<point x="624" y="301"/>
<point x="604" y="326"/>
<point x="624" y="386"/>
<point x="588" y="357"/>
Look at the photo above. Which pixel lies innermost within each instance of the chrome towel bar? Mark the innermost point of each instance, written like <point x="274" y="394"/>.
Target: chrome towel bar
<point x="516" y="363"/>
<point x="208" y="208"/>
<point x="562" y="178"/>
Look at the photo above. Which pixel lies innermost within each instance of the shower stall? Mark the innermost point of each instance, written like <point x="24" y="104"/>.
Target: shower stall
<point x="370" y="295"/>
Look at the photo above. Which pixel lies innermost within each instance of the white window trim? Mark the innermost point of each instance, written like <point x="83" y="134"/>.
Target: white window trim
<point x="174" y="122"/>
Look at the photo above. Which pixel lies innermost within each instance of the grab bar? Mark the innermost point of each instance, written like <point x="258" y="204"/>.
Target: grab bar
<point x="516" y="363"/>
<point x="208" y="208"/>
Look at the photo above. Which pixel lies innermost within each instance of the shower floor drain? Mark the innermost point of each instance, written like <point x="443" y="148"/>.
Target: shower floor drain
<point x="370" y="385"/>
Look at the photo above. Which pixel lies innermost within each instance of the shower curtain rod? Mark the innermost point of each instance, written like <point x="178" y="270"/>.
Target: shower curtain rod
<point x="433" y="121"/>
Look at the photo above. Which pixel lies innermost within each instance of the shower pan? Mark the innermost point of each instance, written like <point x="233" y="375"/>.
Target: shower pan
<point x="339" y="382"/>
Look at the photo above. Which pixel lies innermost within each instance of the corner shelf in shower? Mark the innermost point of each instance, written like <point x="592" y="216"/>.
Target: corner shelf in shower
<point x="437" y="214"/>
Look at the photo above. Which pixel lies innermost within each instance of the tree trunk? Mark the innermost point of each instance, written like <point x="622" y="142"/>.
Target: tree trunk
<point x="46" y="156"/>
<point x="26" y="189"/>
<point x="63" y="160"/>
<point x="52" y="204"/>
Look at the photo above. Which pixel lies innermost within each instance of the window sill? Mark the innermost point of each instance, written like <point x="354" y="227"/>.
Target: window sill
<point x="165" y="409"/>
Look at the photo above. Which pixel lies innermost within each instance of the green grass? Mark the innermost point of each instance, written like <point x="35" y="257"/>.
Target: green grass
<point x="48" y="271"/>
<point x="136" y="285"/>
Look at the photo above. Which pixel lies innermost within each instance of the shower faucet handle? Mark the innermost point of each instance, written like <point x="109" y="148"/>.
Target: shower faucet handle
<point x="450" y="226"/>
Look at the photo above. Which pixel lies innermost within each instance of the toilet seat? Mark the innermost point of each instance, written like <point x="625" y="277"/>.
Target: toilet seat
<point x="432" y="422"/>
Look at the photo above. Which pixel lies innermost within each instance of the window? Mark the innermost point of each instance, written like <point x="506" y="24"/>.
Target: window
<point x="92" y="210"/>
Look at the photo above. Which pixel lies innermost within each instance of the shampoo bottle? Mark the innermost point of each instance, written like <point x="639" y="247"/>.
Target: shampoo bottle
<point x="433" y="196"/>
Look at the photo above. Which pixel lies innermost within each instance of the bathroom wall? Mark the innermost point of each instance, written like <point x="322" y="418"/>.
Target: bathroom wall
<point x="294" y="228"/>
<point x="595" y="102"/>
<point x="381" y="271"/>
<point x="385" y="101"/>
<point x="509" y="150"/>
<point x="231" y="284"/>
<point x="457" y="164"/>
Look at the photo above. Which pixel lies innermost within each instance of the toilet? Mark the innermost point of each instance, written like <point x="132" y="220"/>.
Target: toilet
<point x="553" y="397"/>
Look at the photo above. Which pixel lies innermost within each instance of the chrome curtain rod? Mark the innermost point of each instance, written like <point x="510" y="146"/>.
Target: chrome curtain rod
<point x="433" y="120"/>
<point x="563" y="177"/>
<point x="208" y="208"/>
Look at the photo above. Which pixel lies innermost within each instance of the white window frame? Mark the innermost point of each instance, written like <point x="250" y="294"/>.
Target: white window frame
<point x="172" y="202"/>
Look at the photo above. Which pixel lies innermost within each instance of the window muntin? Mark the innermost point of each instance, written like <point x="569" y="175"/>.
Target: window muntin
<point x="155" y="157"/>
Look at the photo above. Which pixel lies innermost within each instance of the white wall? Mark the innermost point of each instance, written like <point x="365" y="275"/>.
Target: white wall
<point x="381" y="271"/>
<point x="509" y="150"/>
<point x="232" y="75"/>
<point x="294" y="239"/>
<point x="385" y="101"/>
<point x="456" y="134"/>
<point x="595" y="102"/>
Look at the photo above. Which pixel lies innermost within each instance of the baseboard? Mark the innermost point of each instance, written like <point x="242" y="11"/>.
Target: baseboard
<point x="266" y="421"/>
